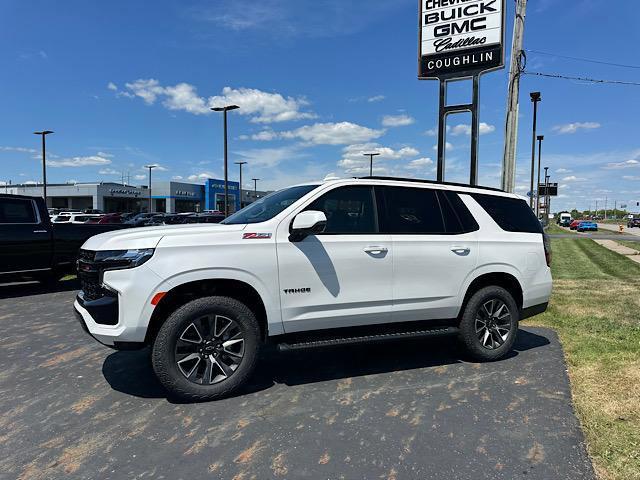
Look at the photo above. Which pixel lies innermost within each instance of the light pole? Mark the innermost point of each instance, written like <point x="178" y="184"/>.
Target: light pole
<point x="240" y="192"/>
<point x="226" y="170"/>
<point x="150" y="167"/>
<point x="255" y="188"/>
<point x="371" y="155"/>
<point x="535" y="98"/>
<point x="547" y="198"/>
<point x="540" y="139"/>
<point x="43" y="134"/>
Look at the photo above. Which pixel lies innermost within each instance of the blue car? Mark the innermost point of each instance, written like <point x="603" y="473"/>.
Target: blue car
<point x="587" y="227"/>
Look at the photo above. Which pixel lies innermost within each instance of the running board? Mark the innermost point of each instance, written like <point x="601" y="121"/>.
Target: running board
<point x="354" y="340"/>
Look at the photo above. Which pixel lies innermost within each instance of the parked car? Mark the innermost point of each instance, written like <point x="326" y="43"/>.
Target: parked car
<point x="108" y="218"/>
<point x="31" y="246"/>
<point x="155" y="220"/>
<point x="574" y="224"/>
<point x="139" y="220"/>
<point x="74" y="218"/>
<point x="587" y="226"/>
<point x="313" y="265"/>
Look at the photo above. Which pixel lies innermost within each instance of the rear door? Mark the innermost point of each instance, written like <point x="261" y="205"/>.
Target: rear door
<point x="342" y="277"/>
<point x="434" y="250"/>
<point x="25" y="241"/>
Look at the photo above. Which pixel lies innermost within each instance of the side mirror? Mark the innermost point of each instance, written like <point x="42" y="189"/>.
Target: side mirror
<point x="307" y="223"/>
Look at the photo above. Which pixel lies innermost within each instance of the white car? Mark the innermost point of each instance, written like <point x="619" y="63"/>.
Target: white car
<point x="74" y="217"/>
<point x="315" y="265"/>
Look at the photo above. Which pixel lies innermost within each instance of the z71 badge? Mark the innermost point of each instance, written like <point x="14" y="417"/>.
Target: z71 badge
<point x="297" y="290"/>
<point x="256" y="236"/>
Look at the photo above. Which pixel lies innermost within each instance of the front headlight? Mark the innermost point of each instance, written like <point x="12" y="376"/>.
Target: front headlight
<point x="117" y="259"/>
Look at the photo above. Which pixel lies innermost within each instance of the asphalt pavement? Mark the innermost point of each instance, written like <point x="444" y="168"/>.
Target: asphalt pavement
<point x="70" y="408"/>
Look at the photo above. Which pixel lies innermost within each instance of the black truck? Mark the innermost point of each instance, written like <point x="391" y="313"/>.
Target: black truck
<point x="33" y="247"/>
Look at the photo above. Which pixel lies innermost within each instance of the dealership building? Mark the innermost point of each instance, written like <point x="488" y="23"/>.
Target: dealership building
<point x="169" y="197"/>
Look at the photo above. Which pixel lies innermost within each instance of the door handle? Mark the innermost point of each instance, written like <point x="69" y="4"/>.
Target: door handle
<point x="376" y="250"/>
<point x="461" y="250"/>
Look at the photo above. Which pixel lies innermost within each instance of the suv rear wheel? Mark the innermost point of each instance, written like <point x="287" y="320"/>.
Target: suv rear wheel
<point x="489" y="324"/>
<point x="207" y="348"/>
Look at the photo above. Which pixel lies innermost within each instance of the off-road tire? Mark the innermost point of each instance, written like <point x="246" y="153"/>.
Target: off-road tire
<point x="468" y="335"/>
<point x="163" y="349"/>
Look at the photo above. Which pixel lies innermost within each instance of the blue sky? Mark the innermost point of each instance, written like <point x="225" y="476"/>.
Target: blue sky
<point x="127" y="83"/>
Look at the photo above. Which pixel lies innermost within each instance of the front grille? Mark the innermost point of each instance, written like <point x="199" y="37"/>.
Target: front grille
<point x="89" y="275"/>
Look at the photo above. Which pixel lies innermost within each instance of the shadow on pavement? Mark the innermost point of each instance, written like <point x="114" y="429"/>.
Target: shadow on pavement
<point x="25" y="289"/>
<point x="131" y="372"/>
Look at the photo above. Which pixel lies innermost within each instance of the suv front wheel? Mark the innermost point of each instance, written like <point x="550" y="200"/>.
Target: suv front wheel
<point x="489" y="324"/>
<point x="207" y="349"/>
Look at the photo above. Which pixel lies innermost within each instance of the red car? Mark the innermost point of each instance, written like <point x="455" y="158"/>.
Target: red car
<point x="574" y="225"/>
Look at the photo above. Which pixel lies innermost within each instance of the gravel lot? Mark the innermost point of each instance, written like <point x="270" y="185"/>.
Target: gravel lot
<point x="71" y="408"/>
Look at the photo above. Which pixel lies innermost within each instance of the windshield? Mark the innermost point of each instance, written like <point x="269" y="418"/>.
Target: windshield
<point x="268" y="207"/>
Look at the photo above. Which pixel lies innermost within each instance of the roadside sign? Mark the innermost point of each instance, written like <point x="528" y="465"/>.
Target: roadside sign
<point x="460" y="38"/>
<point x="553" y="190"/>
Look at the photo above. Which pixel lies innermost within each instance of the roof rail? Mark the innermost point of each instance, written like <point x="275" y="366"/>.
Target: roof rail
<point x="433" y="182"/>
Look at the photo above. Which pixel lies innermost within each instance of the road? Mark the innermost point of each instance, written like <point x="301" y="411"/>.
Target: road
<point x="614" y="228"/>
<point x="70" y="408"/>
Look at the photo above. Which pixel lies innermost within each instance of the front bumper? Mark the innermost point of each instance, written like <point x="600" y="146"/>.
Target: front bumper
<point x="107" y="335"/>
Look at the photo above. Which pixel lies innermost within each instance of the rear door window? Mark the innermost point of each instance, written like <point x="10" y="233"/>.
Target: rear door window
<point x="511" y="214"/>
<point x="411" y="211"/>
<point x="15" y="210"/>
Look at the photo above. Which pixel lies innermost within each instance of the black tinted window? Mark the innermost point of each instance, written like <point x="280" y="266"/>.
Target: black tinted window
<point x="511" y="214"/>
<point x="348" y="210"/>
<point x="457" y="217"/>
<point x="13" y="210"/>
<point x="411" y="210"/>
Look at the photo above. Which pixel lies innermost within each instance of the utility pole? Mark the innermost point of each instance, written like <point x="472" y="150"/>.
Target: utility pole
<point x="150" y="167"/>
<point x="226" y="170"/>
<point x="596" y="208"/>
<point x="535" y="98"/>
<point x="540" y="139"/>
<point x="43" y="134"/>
<point x="371" y="155"/>
<point x="605" y="207"/>
<point x="240" y="192"/>
<point x="513" y="106"/>
<point x="255" y="188"/>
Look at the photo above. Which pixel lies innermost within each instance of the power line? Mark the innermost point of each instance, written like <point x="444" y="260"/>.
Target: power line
<point x="582" y="79"/>
<point x="580" y="59"/>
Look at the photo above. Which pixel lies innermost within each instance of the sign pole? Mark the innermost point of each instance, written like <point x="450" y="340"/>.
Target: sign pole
<point x="475" y="131"/>
<point x="442" y="129"/>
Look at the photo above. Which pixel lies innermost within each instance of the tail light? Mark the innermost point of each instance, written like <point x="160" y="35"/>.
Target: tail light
<point x="547" y="248"/>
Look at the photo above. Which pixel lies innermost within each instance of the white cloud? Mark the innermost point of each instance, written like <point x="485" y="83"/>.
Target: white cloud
<point x="420" y="163"/>
<point x="342" y="133"/>
<point x="376" y="98"/>
<point x="177" y="177"/>
<point x="109" y="171"/>
<point x="156" y="168"/>
<point x="448" y="147"/>
<point x="620" y="165"/>
<point x="433" y="132"/>
<point x="264" y="136"/>
<point x="91" y="160"/>
<point x="397" y="120"/>
<point x="464" y="129"/>
<point x="571" y="128"/>
<point x="112" y="86"/>
<point x="263" y="107"/>
<point x="140" y="177"/>
<point x="563" y="170"/>
<point x="105" y="155"/>
<point x="201" y="177"/>
<point x="18" y="149"/>
<point x="354" y="160"/>
<point x="631" y="177"/>
<point x="572" y="178"/>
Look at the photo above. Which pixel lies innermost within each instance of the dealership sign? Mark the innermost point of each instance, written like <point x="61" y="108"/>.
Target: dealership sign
<point x="460" y="38"/>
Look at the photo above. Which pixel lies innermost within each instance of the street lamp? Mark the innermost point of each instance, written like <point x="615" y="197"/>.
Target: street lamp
<point x="150" y="167"/>
<point x="547" y="198"/>
<point x="371" y="155"/>
<point x="226" y="173"/>
<point x="255" y="188"/>
<point x="240" y="192"/>
<point x="540" y="139"/>
<point x="535" y="98"/>
<point x="43" y="134"/>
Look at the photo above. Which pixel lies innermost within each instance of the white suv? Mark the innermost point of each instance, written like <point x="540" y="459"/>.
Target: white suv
<point x="342" y="262"/>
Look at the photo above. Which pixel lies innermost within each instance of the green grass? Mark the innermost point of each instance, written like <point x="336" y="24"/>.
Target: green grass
<point x="595" y="308"/>
<point x="555" y="229"/>
<point x="634" y="245"/>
